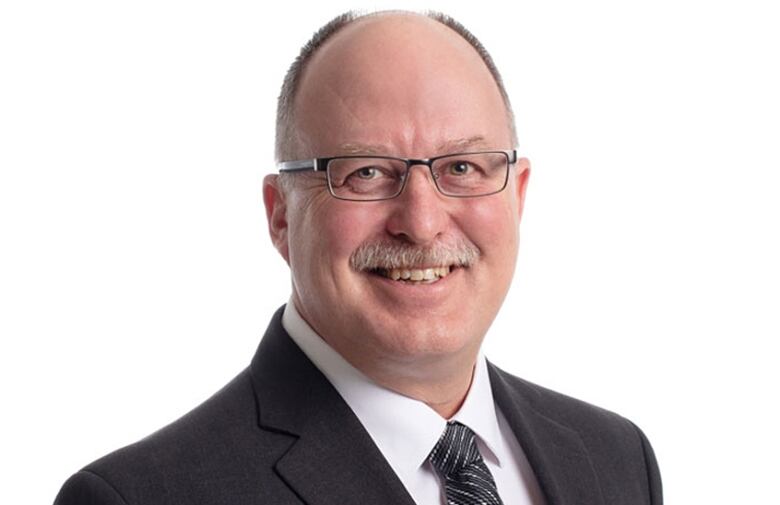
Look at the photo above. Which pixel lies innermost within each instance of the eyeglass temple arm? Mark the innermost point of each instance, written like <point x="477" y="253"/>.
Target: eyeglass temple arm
<point x="302" y="165"/>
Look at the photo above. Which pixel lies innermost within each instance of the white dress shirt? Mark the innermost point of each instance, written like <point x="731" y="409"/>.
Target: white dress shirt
<point x="405" y="430"/>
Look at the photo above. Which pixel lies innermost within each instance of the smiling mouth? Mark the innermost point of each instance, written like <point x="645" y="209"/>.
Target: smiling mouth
<point x="414" y="275"/>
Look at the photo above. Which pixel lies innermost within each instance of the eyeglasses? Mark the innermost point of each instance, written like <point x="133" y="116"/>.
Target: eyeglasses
<point x="371" y="178"/>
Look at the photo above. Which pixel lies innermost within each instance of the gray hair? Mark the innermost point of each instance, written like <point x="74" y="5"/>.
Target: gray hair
<point x="286" y="135"/>
<point x="387" y="255"/>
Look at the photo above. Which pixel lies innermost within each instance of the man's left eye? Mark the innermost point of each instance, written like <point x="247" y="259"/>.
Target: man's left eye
<point x="460" y="168"/>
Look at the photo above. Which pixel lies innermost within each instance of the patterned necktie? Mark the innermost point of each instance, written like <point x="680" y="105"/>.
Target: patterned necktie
<point x="467" y="480"/>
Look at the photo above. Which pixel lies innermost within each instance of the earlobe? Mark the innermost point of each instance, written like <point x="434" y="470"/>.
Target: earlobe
<point x="523" y="173"/>
<point x="275" y="203"/>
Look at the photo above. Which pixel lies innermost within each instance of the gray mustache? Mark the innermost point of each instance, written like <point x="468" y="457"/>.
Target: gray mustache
<point x="393" y="254"/>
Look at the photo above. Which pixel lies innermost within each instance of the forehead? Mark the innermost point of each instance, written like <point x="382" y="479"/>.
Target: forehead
<point x="397" y="82"/>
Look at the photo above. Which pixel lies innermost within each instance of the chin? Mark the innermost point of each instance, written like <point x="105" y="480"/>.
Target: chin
<point x="420" y="339"/>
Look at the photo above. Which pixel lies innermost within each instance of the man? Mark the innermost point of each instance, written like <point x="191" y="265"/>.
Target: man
<point x="397" y="209"/>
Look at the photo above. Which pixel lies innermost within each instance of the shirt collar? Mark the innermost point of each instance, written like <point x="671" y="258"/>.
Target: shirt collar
<point x="478" y="411"/>
<point x="404" y="429"/>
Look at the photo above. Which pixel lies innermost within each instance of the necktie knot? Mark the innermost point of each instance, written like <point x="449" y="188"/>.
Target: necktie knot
<point x="466" y="478"/>
<point x="455" y="450"/>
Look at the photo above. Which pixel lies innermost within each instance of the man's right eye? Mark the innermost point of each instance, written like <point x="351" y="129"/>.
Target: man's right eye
<point x="366" y="173"/>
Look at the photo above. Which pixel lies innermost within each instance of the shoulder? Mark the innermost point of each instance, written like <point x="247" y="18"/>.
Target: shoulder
<point x="212" y="446"/>
<point x="560" y="408"/>
<point x="618" y="453"/>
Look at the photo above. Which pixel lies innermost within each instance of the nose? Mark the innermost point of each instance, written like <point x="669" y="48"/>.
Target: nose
<point x="420" y="212"/>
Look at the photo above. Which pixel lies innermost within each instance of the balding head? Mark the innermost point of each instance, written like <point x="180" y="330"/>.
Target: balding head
<point x="398" y="48"/>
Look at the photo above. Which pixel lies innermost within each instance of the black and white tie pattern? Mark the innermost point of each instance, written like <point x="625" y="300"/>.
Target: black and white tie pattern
<point x="467" y="480"/>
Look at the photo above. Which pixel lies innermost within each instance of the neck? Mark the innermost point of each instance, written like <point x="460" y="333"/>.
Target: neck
<point x="442" y="383"/>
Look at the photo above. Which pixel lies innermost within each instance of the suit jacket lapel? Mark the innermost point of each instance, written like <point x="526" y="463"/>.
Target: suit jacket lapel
<point x="555" y="451"/>
<point x="332" y="459"/>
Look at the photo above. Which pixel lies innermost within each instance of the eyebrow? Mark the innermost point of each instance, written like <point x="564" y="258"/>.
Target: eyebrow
<point x="456" y="145"/>
<point x="462" y="144"/>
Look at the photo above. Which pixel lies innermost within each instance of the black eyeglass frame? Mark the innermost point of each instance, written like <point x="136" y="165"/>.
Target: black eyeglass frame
<point x="321" y="165"/>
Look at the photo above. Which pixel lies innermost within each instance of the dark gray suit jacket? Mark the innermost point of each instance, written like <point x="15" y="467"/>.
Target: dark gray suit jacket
<point x="279" y="433"/>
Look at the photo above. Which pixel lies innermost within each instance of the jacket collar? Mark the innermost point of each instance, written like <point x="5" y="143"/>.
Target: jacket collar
<point x="555" y="451"/>
<point x="331" y="459"/>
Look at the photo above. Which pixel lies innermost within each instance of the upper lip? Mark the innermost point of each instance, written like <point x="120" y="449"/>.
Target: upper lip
<point x="414" y="267"/>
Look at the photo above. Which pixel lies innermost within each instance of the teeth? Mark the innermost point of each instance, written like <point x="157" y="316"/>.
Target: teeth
<point x="417" y="274"/>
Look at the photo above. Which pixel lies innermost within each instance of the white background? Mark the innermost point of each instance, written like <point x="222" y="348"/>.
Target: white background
<point x="136" y="276"/>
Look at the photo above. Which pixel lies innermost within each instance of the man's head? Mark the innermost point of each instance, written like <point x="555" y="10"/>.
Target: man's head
<point x="403" y="85"/>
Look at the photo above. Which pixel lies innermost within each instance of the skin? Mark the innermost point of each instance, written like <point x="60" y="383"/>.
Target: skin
<point x="399" y="85"/>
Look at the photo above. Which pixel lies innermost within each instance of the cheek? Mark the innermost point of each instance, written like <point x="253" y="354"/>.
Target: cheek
<point x="332" y="233"/>
<point x="347" y="227"/>
<point x="492" y="224"/>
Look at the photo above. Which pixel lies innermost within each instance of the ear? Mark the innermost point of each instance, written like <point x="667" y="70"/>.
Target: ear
<point x="275" y="203"/>
<point x="523" y="173"/>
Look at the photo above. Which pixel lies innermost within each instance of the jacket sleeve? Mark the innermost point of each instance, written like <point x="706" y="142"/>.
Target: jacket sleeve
<point x="653" y="473"/>
<point x="87" y="488"/>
